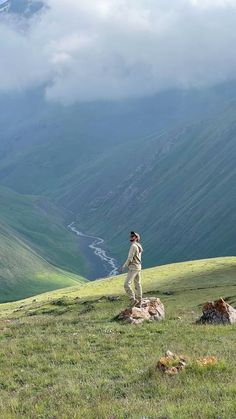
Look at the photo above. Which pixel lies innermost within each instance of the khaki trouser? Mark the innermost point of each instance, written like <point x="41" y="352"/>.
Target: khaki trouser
<point x="133" y="276"/>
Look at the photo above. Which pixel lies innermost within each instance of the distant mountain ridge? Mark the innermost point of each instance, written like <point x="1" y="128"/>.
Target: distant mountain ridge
<point x="183" y="201"/>
<point x="161" y="165"/>
<point x="55" y="143"/>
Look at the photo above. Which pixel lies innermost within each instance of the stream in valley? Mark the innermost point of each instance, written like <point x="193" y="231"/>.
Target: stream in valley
<point x="100" y="263"/>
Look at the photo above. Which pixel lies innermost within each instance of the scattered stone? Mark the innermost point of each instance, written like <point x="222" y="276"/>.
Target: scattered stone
<point x="209" y="360"/>
<point x="168" y="293"/>
<point x="113" y="298"/>
<point x="171" y="371"/>
<point x="171" y="364"/>
<point x="169" y="354"/>
<point x="77" y="300"/>
<point x="151" y="309"/>
<point x="217" y="312"/>
<point x="60" y="302"/>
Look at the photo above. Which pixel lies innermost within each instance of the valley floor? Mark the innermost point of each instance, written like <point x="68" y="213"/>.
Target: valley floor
<point x="63" y="356"/>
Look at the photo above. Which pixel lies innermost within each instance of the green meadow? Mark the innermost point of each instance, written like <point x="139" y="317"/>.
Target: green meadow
<point x="37" y="252"/>
<point x="23" y="272"/>
<point x="63" y="355"/>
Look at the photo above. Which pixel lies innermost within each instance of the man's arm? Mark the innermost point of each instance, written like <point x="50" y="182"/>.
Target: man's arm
<point x="129" y="259"/>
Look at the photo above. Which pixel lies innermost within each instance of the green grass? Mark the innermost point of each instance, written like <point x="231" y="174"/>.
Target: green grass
<point x="63" y="355"/>
<point x="24" y="273"/>
<point x="37" y="252"/>
<point x="37" y="221"/>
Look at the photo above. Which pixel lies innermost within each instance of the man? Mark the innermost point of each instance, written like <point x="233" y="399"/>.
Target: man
<point x="133" y="263"/>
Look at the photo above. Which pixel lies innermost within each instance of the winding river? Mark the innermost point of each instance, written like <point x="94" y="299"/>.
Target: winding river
<point x="101" y="264"/>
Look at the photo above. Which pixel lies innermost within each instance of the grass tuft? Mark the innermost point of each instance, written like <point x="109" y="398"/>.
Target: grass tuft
<point x="63" y="356"/>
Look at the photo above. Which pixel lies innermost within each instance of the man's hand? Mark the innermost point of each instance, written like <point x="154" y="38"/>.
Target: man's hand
<point x="121" y="269"/>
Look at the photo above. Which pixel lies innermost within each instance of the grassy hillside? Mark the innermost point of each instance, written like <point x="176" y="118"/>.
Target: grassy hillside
<point x="163" y="166"/>
<point x="37" y="221"/>
<point x="147" y="165"/>
<point x="181" y="196"/>
<point x="64" y="356"/>
<point x="34" y="248"/>
<point x="23" y="272"/>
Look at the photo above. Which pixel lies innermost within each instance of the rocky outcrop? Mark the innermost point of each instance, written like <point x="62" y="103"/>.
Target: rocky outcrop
<point x="151" y="309"/>
<point x="171" y="363"/>
<point x="218" y="312"/>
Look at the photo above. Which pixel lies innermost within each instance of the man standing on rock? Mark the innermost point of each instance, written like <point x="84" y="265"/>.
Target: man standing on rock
<point x="133" y="263"/>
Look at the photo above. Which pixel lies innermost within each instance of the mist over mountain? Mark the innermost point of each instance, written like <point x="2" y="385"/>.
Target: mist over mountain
<point x="109" y="50"/>
<point x="162" y="165"/>
<point x="56" y="145"/>
<point x="119" y="116"/>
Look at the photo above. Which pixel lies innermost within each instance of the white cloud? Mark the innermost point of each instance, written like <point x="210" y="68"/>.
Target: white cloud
<point x="111" y="49"/>
<point x="205" y="4"/>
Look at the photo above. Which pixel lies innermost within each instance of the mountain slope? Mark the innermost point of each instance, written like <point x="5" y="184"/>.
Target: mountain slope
<point x="178" y="190"/>
<point x="161" y="165"/>
<point x="205" y="279"/>
<point x="24" y="273"/>
<point x="68" y="357"/>
<point x="35" y="247"/>
<point x="37" y="221"/>
<point x="53" y="143"/>
<point x="181" y="196"/>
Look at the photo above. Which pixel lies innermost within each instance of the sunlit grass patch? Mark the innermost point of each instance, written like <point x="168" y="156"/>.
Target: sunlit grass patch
<point x="63" y="355"/>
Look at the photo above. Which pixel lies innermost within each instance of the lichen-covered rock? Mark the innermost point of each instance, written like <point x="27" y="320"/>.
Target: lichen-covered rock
<point x="151" y="309"/>
<point x="218" y="312"/>
<point x="171" y="364"/>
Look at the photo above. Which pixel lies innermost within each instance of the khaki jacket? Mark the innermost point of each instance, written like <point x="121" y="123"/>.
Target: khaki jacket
<point x="133" y="262"/>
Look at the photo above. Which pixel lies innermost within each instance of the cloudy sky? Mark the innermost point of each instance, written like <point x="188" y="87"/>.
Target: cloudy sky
<point x="110" y="49"/>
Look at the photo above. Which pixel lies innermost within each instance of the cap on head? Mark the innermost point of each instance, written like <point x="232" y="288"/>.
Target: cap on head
<point x="134" y="234"/>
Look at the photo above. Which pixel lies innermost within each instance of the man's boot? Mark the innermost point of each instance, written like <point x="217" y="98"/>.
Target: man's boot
<point x="133" y="303"/>
<point x="138" y="303"/>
